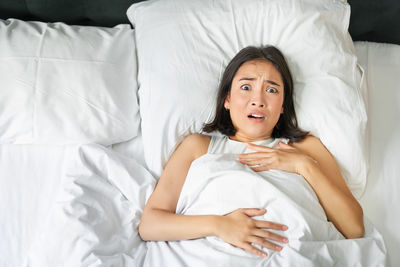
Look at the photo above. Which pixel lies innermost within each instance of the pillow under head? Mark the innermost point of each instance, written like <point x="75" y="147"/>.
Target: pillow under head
<point x="184" y="46"/>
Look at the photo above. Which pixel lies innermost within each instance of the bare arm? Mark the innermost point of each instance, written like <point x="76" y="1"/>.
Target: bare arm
<point x="324" y="176"/>
<point x="159" y="221"/>
<point x="313" y="161"/>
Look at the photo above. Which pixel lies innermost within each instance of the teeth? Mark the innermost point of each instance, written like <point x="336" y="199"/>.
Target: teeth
<point x="256" y="116"/>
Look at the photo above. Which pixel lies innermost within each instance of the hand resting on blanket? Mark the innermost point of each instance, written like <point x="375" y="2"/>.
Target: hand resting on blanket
<point x="254" y="103"/>
<point x="238" y="228"/>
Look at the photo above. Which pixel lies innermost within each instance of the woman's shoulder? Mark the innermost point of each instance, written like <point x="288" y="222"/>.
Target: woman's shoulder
<point x="198" y="143"/>
<point x="311" y="145"/>
<point x="198" y="138"/>
<point x="308" y="140"/>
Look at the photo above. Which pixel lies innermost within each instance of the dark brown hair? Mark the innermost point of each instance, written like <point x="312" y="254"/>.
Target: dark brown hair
<point x="287" y="126"/>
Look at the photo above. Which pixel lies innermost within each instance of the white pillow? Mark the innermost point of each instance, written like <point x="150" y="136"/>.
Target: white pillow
<point x="183" y="47"/>
<point x="67" y="84"/>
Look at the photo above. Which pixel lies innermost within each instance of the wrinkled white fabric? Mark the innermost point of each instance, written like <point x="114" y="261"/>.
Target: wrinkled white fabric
<point x="94" y="219"/>
<point x="219" y="184"/>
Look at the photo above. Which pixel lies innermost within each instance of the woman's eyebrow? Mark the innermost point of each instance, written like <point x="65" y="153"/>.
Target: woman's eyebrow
<point x="272" y="82"/>
<point x="252" y="79"/>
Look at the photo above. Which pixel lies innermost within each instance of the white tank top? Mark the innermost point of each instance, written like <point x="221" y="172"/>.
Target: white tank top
<point x="225" y="145"/>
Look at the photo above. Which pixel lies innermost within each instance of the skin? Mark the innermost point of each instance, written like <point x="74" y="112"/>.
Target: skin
<point x="256" y="87"/>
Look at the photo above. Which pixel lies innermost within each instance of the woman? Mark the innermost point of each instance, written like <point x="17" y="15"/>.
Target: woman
<point x="254" y="103"/>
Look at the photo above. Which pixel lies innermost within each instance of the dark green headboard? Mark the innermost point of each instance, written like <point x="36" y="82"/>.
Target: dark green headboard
<point x="371" y="20"/>
<point x="375" y="20"/>
<point x="106" y="13"/>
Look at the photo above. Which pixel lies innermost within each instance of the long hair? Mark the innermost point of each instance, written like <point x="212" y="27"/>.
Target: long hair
<point x="287" y="126"/>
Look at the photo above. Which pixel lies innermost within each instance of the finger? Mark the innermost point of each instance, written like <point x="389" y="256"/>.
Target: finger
<point x="252" y="162"/>
<point x="250" y="248"/>
<point x="264" y="243"/>
<point x="260" y="165"/>
<point x="270" y="236"/>
<point x="270" y="225"/>
<point x="261" y="168"/>
<point x="254" y="212"/>
<point x="255" y="155"/>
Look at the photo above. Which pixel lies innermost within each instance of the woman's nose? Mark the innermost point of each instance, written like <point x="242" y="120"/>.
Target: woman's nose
<point x="257" y="99"/>
<point x="257" y="104"/>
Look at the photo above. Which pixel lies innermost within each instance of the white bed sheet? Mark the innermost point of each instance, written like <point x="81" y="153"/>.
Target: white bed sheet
<point x="219" y="184"/>
<point x="382" y="195"/>
<point x="29" y="181"/>
<point x="76" y="205"/>
<point x="95" y="215"/>
<point x="132" y="148"/>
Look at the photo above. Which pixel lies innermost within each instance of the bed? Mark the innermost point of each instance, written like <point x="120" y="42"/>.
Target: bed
<point x="86" y="122"/>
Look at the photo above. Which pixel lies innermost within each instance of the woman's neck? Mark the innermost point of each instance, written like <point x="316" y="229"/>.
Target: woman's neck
<point x="246" y="139"/>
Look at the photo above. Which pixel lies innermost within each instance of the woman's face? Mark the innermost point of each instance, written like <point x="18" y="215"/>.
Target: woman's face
<point x="255" y="100"/>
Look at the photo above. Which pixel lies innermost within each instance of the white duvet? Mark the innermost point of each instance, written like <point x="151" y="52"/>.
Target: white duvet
<point x="93" y="218"/>
<point x="219" y="184"/>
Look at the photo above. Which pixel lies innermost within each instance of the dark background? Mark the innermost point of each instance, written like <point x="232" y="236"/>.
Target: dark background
<point x="371" y="20"/>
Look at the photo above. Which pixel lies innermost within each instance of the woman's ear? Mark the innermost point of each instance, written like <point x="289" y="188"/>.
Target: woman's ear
<point x="227" y="102"/>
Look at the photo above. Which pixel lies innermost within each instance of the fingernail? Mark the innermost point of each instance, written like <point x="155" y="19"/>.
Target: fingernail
<point x="285" y="240"/>
<point x="284" y="228"/>
<point x="278" y="248"/>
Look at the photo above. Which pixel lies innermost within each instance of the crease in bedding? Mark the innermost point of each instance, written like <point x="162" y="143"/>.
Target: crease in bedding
<point x="92" y="219"/>
<point x="94" y="216"/>
<point x="219" y="184"/>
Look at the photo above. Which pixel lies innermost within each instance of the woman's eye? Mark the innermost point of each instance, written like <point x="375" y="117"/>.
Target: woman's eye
<point x="272" y="90"/>
<point x="245" y="87"/>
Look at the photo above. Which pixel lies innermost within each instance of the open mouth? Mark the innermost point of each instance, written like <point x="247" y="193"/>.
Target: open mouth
<point x="255" y="117"/>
